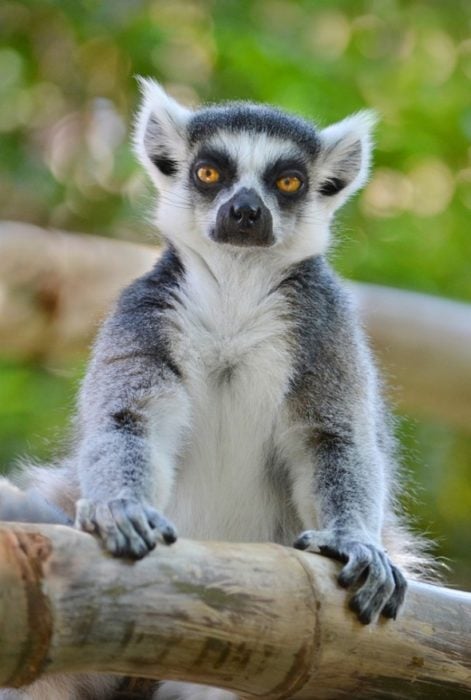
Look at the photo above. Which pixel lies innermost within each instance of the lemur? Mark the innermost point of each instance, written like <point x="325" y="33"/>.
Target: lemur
<point x="231" y="390"/>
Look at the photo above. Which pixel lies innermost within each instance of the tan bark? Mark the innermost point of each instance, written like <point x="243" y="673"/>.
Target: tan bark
<point x="259" y="619"/>
<point x="424" y="344"/>
<point x="55" y="287"/>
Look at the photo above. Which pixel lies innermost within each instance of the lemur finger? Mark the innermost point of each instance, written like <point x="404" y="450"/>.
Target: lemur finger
<point x="396" y="600"/>
<point x="382" y="594"/>
<point x="378" y="576"/>
<point x="164" y="527"/>
<point x="85" y="515"/>
<point x="114" y="540"/>
<point x="359" y="558"/>
<point x="139" y="540"/>
<point x="315" y="541"/>
<point x="137" y="516"/>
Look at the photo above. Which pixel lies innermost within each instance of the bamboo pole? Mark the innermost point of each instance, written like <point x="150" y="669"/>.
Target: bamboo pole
<point x="259" y="619"/>
<point x="55" y="288"/>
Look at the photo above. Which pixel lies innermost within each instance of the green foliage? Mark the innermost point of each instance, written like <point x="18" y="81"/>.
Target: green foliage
<point x="67" y="93"/>
<point x="35" y="409"/>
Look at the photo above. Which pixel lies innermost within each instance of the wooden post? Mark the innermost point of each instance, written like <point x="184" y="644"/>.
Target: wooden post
<point x="259" y="619"/>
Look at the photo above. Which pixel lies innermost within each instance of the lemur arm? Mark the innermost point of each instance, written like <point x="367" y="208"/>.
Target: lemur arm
<point x="120" y="479"/>
<point x="131" y="412"/>
<point x="348" y="465"/>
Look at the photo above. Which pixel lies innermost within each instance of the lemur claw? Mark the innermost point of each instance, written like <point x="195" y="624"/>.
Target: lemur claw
<point x="127" y="527"/>
<point x="379" y="586"/>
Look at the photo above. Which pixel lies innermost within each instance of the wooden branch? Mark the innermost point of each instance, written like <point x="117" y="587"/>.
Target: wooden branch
<point x="258" y="619"/>
<point x="424" y="344"/>
<point x="55" y="287"/>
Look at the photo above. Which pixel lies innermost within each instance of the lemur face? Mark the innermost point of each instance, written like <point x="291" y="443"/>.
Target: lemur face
<point x="252" y="188"/>
<point x="248" y="176"/>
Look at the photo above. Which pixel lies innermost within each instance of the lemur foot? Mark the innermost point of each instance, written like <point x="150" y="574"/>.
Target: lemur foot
<point x="380" y="586"/>
<point x="127" y="527"/>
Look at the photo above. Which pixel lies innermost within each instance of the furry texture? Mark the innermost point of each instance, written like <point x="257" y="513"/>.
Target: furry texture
<point x="72" y="687"/>
<point x="232" y="391"/>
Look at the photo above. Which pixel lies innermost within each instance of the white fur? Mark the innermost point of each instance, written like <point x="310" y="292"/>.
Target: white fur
<point x="221" y="486"/>
<point x="191" y="691"/>
<point x="169" y="419"/>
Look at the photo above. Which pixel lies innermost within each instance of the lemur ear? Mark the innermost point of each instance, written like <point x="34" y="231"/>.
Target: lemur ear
<point x="160" y="132"/>
<point x="345" y="156"/>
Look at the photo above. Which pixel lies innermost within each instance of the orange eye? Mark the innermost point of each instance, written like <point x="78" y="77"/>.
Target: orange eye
<point x="288" y="184"/>
<point x="208" y="175"/>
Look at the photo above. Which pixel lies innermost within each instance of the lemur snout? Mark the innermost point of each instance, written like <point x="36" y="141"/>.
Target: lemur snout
<point x="245" y="210"/>
<point x="244" y="220"/>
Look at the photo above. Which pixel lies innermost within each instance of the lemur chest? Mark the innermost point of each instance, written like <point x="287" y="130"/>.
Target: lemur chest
<point x="233" y="343"/>
<point x="236" y="363"/>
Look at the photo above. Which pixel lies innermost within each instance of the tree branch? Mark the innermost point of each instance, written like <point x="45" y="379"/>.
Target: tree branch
<point x="259" y="619"/>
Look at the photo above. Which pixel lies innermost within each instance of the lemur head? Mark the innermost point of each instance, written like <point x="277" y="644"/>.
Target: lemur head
<point x="242" y="175"/>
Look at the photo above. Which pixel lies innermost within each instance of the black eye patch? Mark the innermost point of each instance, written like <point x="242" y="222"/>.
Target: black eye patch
<point x="287" y="167"/>
<point x="213" y="158"/>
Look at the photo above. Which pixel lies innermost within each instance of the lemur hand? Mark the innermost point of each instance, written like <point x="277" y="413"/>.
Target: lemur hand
<point x="127" y="527"/>
<point x="380" y="586"/>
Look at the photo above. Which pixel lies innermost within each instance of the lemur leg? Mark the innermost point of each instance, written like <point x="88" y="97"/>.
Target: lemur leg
<point x="347" y="484"/>
<point x="29" y="506"/>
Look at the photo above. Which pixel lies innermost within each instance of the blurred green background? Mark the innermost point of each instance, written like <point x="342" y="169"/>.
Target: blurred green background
<point x="67" y="96"/>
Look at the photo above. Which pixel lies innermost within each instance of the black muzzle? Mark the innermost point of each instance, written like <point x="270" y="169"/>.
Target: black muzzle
<point x="244" y="220"/>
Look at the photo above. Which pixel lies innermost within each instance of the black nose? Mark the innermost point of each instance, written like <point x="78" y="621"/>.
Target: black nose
<point x="245" y="210"/>
<point x="244" y="220"/>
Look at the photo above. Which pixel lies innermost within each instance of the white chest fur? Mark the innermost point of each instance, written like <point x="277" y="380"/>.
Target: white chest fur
<point x="233" y="346"/>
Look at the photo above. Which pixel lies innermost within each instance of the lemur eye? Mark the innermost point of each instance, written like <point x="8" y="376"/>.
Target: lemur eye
<point x="208" y="175"/>
<point x="289" y="184"/>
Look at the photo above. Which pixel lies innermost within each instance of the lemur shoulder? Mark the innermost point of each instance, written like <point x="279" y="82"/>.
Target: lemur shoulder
<point x="231" y="390"/>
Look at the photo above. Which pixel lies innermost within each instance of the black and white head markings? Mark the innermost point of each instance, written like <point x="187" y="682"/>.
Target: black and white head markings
<point x="249" y="175"/>
<point x="231" y="390"/>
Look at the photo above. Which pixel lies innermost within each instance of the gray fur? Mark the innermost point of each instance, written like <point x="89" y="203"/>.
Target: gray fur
<point x="254" y="118"/>
<point x="231" y="389"/>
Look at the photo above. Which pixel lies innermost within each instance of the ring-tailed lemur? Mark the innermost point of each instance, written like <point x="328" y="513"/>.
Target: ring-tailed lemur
<point x="231" y="390"/>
